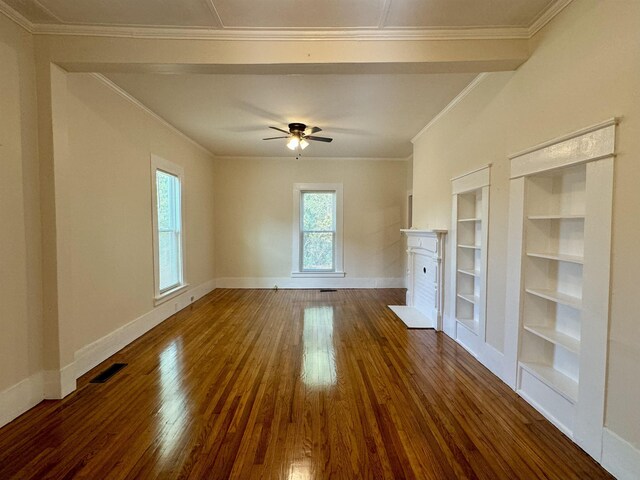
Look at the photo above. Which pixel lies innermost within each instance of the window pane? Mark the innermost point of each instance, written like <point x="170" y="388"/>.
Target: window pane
<point x="317" y="251"/>
<point x="168" y="250"/>
<point x="169" y="261"/>
<point x="167" y="187"/>
<point x="318" y="211"/>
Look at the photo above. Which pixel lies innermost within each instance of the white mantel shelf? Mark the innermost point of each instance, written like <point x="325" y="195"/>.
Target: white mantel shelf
<point x="422" y="233"/>
<point x="425" y="250"/>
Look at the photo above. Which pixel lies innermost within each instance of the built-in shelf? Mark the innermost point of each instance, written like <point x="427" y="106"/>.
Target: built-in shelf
<point x="470" y="236"/>
<point x="471" y="273"/>
<point x="469" y="298"/>
<point x="557" y="308"/>
<point x="469" y="323"/>
<point x="557" y="297"/>
<point x="550" y="334"/>
<point x="558" y="381"/>
<point x="472" y="247"/>
<point x="560" y="257"/>
<point x="556" y="217"/>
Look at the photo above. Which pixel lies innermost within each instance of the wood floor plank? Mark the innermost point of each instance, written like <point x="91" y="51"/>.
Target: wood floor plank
<point x="261" y="384"/>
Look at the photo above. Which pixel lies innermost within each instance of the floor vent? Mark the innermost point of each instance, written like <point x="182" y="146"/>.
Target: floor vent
<point x="328" y="290"/>
<point x="108" y="373"/>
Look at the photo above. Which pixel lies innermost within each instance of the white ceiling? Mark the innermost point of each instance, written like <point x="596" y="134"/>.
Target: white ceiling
<point x="368" y="115"/>
<point x="286" y="14"/>
<point x="373" y="116"/>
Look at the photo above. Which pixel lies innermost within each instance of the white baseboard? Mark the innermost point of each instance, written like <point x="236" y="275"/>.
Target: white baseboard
<point x="487" y="354"/>
<point x="97" y="352"/>
<point x="619" y="457"/>
<point x="59" y="383"/>
<point x="19" y="398"/>
<point x="301" y="283"/>
<point x="493" y="359"/>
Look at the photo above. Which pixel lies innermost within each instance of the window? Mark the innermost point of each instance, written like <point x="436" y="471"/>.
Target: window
<point x="167" y="228"/>
<point x="317" y="244"/>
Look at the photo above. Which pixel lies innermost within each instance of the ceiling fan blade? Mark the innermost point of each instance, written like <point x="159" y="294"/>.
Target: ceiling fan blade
<point x="319" y="139"/>
<point x="273" y="138"/>
<point x="280" y="130"/>
<point x="312" y="130"/>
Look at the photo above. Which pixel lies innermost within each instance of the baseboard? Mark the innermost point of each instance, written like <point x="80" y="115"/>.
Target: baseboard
<point x="302" y="283"/>
<point x="19" y="398"/>
<point x="557" y="423"/>
<point x="619" y="457"/>
<point x="493" y="359"/>
<point x="97" y="352"/>
<point x="487" y="355"/>
<point x="57" y="384"/>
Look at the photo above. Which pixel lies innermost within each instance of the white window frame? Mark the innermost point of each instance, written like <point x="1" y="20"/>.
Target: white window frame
<point x="296" y="252"/>
<point x="160" y="164"/>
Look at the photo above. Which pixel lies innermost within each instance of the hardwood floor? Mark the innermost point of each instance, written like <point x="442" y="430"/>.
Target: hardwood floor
<point x="291" y="385"/>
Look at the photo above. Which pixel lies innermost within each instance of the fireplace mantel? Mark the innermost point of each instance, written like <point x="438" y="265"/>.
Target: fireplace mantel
<point x="425" y="278"/>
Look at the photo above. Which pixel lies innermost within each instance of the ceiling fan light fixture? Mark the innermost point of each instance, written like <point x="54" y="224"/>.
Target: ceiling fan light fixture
<point x="303" y="144"/>
<point x="293" y="143"/>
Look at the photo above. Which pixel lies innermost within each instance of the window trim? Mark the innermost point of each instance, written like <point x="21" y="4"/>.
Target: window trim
<point x="163" y="165"/>
<point x="296" y="252"/>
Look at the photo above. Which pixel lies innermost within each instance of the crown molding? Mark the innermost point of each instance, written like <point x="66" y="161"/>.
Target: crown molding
<point x="458" y="98"/>
<point x="358" y="34"/>
<point x="16" y="16"/>
<point x="548" y="15"/>
<point x="246" y="34"/>
<point x="127" y="96"/>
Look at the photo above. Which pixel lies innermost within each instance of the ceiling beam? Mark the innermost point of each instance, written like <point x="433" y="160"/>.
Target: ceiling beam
<point x="108" y="54"/>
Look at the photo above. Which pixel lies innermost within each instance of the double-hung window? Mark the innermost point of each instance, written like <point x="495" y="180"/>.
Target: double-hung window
<point x="317" y="244"/>
<point x="167" y="228"/>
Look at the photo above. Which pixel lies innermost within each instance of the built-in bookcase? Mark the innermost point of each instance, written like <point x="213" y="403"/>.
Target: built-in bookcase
<point x="553" y="277"/>
<point x="558" y="279"/>
<point x="469" y="235"/>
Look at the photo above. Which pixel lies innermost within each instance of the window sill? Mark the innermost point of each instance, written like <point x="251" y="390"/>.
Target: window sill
<point x="317" y="274"/>
<point x="168" y="295"/>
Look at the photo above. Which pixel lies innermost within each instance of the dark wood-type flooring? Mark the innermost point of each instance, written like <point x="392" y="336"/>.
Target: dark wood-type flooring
<point x="291" y="385"/>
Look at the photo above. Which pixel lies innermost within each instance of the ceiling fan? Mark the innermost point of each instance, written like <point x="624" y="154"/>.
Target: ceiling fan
<point x="299" y="134"/>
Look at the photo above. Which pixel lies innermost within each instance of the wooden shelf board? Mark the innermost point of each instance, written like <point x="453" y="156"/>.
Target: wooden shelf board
<point x="469" y="298"/>
<point x="557" y="338"/>
<point x="472" y="273"/>
<point x="473" y="247"/>
<point x="556" y="217"/>
<point x="560" y="257"/>
<point x="557" y="297"/>
<point x="468" y="323"/>
<point x="558" y="381"/>
<point x="469" y="220"/>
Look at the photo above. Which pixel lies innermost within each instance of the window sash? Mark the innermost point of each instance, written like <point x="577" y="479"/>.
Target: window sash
<point x="173" y="225"/>
<point x="332" y="231"/>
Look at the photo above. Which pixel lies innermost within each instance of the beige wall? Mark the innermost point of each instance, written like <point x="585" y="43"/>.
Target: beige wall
<point x="585" y="68"/>
<point x="254" y="209"/>
<point x="20" y="259"/>
<point x="103" y="199"/>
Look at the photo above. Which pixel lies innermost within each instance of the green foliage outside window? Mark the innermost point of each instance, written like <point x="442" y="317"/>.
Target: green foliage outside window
<point x="318" y="225"/>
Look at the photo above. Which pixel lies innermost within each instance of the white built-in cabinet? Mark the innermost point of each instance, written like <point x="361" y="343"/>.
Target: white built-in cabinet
<point x="558" y="279"/>
<point x="469" y="243"/>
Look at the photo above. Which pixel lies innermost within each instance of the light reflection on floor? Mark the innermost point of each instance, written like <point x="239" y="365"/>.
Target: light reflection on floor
<point x="319" y="361"/>
<point x="174" y="409"/>
<point x="300" y="471"/>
